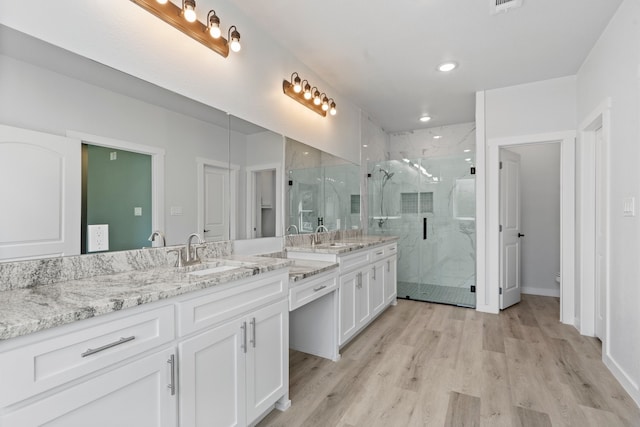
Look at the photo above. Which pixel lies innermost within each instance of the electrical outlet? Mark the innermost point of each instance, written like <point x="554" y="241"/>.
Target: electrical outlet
<point x="629" y="206"/>
<point x="98" y="236"/>
<point x="137" y="211"/>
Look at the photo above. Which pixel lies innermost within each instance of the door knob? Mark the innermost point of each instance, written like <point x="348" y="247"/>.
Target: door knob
<point x="206" y="231"/>
<point x="520" y="235"/>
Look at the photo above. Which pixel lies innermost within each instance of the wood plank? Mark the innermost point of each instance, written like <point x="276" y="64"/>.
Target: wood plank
<point x="463" y="411"/>
<point x="492" y="338"/>
<point x="530" y="418"/>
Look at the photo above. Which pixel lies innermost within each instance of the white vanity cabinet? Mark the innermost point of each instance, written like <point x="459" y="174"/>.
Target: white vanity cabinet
<point x="355" y="304"/>
<point x="234" y="364"/>
<point x="109" y="376"/>
<point x="215" y="357"/>
<point x="135" y="394"/>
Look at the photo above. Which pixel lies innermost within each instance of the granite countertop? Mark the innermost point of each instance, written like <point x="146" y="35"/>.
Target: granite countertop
<point x="303" y="268"/>
<point x="343" y="246"/>
<point x="40" y="307"/>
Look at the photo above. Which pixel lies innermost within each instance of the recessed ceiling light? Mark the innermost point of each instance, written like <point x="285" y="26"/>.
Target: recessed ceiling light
<point x="447" y="66"/>
<point x="468" y="160"/>
<point x="425" y="118"/>
<point x="467" y="150"/>
<point x="437" y="136"/>
<point x="365" y="145"/>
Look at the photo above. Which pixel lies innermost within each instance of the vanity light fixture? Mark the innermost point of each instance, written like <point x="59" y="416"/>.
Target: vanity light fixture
<point x="310" y="97"/>
<point x="186" y="20"/>
<point x="306" y="90"/>
<point x="234" y="37"/>
<point x="213" y="24"/>
<point x="189" y="10"/>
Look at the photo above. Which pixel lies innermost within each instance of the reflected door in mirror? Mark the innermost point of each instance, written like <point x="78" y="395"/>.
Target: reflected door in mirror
<point x="216" y="204"/>
<point x="40" y="194"/>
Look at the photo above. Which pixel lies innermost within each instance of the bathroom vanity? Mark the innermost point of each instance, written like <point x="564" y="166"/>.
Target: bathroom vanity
<point x="194" y="347"/>
<point x="125" y="339"/>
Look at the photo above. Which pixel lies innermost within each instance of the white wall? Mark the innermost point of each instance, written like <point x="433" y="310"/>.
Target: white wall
<point x="612" y="69"/>
<point x="248" y="84"/>
<point x="39" y="99"/>
<point x="531" y="109"/>
<point x="540" y="204"/>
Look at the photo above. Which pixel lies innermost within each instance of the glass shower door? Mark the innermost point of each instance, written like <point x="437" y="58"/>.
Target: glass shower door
<point x="430" y="204"/>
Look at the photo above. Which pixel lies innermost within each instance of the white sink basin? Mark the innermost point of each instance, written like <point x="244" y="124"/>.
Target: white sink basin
<point x="213" y="270"/>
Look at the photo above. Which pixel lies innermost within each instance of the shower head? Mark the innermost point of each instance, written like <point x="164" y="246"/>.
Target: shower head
<point x="387" y="175"/>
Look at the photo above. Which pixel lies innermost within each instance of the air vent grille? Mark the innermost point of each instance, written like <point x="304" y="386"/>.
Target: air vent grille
<point x="497" y="6"/>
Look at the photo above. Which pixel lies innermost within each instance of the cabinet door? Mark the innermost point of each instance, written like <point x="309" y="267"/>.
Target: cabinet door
<point x="376" y="286"/>
<point x="363" y="301"/>
<point x="390" y="279"/>
<point x="133" y="395"/>
<point x="212" y="377"/>
<point x="349" y="285"/>
<point x="267" y="357"/>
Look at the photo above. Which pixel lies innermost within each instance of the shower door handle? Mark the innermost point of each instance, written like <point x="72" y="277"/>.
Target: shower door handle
<point x="424" y="228"/>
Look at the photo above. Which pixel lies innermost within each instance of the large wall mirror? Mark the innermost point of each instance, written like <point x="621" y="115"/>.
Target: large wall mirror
<point x="321" y="190"/>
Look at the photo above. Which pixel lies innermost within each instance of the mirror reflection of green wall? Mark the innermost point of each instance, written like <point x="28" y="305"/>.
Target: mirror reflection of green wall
<point x="117" y="192"/>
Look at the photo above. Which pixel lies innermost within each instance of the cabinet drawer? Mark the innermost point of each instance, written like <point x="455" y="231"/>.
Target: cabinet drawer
<point x="384" y="251"/>
<point x="77" y="351"/>
<point x="210" y="309"/>
<point x="352" y="261"/>
<point x="306" y="292"/>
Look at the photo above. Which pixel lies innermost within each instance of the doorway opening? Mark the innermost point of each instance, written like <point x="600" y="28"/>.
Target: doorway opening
<point x="530" y="219"/>
<point x="217" y="184"/>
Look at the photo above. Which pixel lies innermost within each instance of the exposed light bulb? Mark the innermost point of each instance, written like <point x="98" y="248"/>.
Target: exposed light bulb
<point x="325" y="104"/>
<point x="162" y="1"/>
<point x="214" y="25"/>
<point x="215" y="32"/>
<point x="316" y="98"/>
<point x="189" y="10"/>
<point x="235" y="39"/>
<point x="333" y="110"/>
<point x="297" y="86"/>
<point x="307" y="91"/>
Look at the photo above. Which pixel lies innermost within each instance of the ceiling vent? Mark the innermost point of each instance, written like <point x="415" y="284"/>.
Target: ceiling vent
<point x="497" y="6"/>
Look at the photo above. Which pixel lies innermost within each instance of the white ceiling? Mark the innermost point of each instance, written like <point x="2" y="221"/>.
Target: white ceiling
<point x="383" y="54"/>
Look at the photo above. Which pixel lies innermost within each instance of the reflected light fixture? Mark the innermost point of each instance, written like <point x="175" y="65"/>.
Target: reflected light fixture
<point x="186" y="20"/>
<point x="234" y="37"/>
<point x="189" y="10"/>
<point x="425" y="118"/>
<point x="310" y="97"/>
<point x="213" y="24"/>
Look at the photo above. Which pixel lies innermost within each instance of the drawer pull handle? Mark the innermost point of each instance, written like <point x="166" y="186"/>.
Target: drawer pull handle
<point x="244" y="336"/>
<point x="91" y="351"/>
<point x="379" y="253"/>
<point x="172" y="366"/>
<point x="374" y="272"/>
<point x="388" y="265"/>
<point x="319" y="288"/>
<point x="253" y="332"/>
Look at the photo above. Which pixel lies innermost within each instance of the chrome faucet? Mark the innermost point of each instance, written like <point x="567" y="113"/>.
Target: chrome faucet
<point x="155" y="234"/>
<point x="315" y="240"/>
<point x="294" y="227"/>
<point x="320" y="227"/>
<point x="192" y="252"/>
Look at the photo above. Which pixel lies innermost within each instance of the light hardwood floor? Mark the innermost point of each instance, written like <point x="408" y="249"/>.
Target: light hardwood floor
<point x="422" y="364"/>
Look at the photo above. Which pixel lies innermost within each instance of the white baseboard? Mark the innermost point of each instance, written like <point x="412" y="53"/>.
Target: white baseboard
<point x="545" y="292"/>
<point x="627" y="383"/>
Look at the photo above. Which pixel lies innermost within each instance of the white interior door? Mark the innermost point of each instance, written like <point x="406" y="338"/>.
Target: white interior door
<point x="216" y="203"/>
<point x="510" y="224"/>
<point x="601" y="234"/>
<point x="40" y="194"/>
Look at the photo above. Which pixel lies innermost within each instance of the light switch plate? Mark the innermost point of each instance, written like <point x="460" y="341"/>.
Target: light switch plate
<point x="176" y="210"/>
<point x="98" y="237"/>
<point x="137" y="211"/>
